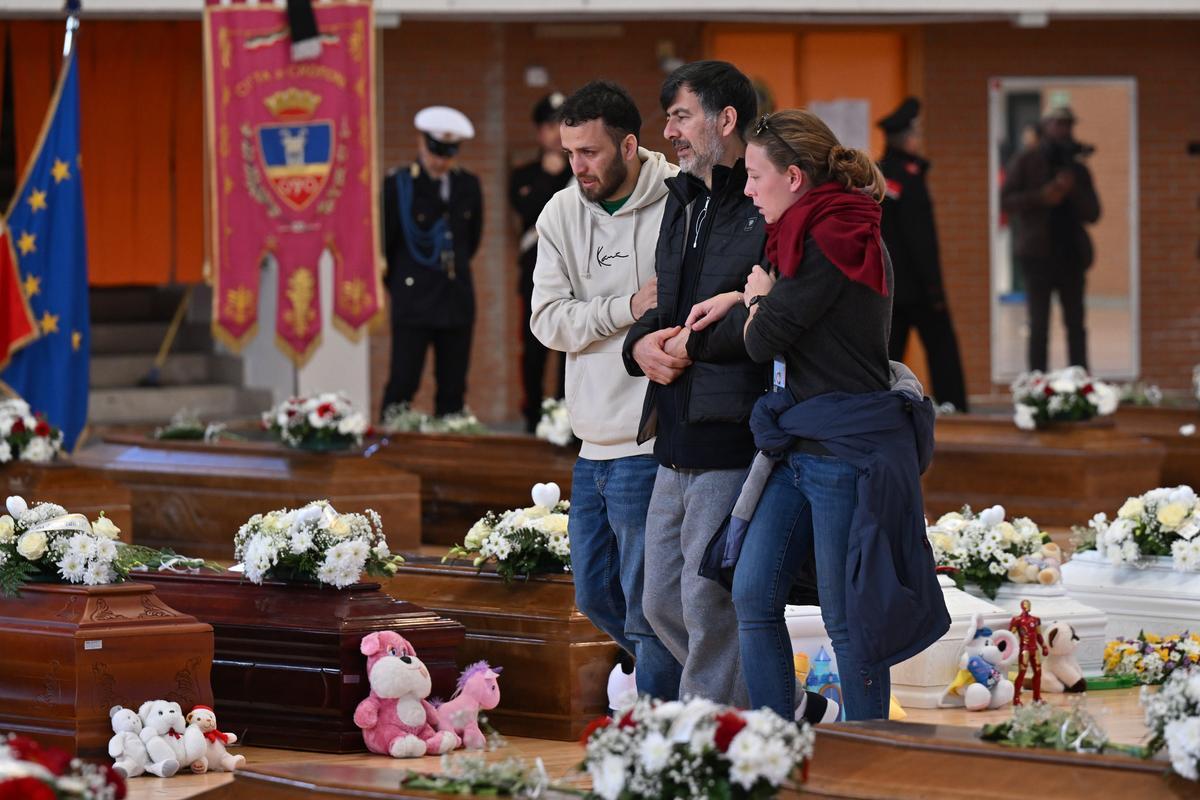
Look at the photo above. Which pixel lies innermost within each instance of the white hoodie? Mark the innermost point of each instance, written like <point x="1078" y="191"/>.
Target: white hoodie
<point x="589" y="266"/>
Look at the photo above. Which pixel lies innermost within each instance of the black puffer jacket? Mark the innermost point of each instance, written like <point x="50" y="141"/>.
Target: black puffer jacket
<point x="714" y="393"/>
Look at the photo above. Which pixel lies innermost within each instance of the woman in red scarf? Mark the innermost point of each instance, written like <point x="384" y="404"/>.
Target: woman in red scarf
<point x="823" y="322"/>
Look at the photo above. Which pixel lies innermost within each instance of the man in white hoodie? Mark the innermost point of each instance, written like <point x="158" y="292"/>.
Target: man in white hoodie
<point x="594" y="277"/>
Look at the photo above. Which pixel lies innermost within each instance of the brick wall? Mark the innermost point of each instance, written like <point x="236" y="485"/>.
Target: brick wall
<point x="479" y="68"/>
<point x="1164" y="59"/>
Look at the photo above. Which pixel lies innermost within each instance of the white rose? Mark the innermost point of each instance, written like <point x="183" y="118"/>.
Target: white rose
<point x="7" y="526"/>
<point x="1132" y="509"/>
<point x="952" y="522"/>
<point x="105" y="527"/>
<point x="1171" y="515"/>
<point x="38" y="451"/>
<point x="476" y="535"/>
<point x="340" y="526"/>
<point x="1063" y="385"/>
<point x="32" y="545"/>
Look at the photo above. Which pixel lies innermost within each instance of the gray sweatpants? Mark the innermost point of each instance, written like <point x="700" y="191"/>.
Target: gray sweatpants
<point x="693" y="616"/>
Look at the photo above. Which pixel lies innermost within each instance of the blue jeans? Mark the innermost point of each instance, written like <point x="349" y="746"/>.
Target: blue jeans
<point x="608" y="538"/>
<point x="805" y="512"/>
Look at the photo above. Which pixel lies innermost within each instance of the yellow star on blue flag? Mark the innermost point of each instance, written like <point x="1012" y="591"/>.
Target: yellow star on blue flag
<point x="47" y="239"/>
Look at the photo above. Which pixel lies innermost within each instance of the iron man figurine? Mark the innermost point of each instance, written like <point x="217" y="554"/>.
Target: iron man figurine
<point x="1027" y="629"/>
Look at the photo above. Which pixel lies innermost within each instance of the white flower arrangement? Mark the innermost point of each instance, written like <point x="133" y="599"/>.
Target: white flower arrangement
<point x="314" y="543"/>
<point x="555" y="424"/>
<point x="524" y="541"/>
<point x="44" y="542"/>
<point x="988" y="550"/>
<point x="694" y="749"/>
<point x="1161" y="522"/>
<point x="1067" y="395"/>
<point x="323" y="421"/>
<point x="25" y="436"/>
<point x="1173" y="717"/>
<point x="186" y="425"/>
<point x="402" y="418"/>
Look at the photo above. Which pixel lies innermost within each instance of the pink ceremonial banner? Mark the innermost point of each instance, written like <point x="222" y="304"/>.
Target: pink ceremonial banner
<point x="291" y="171"/>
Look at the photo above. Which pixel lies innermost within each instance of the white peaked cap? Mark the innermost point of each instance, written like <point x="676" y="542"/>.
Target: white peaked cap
<point x="444" y="124"/>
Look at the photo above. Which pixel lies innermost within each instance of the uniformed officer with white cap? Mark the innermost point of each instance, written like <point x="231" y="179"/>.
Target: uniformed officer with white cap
<point x="432" y="221"/>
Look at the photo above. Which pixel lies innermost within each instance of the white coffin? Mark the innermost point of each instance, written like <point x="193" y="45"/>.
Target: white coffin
<point x="919" y="681"/>
<point x="1155" y="597"/>
<point x="1054" y="604"/>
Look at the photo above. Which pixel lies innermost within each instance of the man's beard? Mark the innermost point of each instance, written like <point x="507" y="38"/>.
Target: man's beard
<point x="608" y="182"/>
<point x="706" y="152"/>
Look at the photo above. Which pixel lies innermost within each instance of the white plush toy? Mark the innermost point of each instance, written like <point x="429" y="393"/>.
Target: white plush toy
<point x="1061" y="672"/>
<point x="981" y="681"/>
<point x="167" y="742"/>
<point x="126" y="746"/>
<point x="215" y="757"/>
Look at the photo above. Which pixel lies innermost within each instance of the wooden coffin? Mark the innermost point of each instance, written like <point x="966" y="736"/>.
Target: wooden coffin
<point x="910" y="761"/>
<point x="1058" y="477"/>
<point x="1182" y="463"/>
<point x="287" y="670"/>
<point x="77" y="489"/>
<point x="69" y="653"/>
<point x="556" y="663"/>
<point x="464" y="477"/>
<point x="193" y="496"/>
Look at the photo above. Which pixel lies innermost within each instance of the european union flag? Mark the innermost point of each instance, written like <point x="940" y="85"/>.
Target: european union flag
<point x="47" y="243"/>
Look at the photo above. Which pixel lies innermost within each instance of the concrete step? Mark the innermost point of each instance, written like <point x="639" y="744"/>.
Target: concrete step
<point x="134" y="303"/>
<point x="113" y="338"/>
<point x="114" y="371"/>
<point x="154" y="406"/>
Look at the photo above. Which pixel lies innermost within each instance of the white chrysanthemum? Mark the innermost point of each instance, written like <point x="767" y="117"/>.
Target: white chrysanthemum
<point x="39" y="449"/>
<point x="72" y="567"/>
<point x="82" y="544"/>
<point x="1183" y="745"/>
<point x="97" y="573"/>
<point x="300" y="540"/>
<point x="106" y="550"/>
<point x="608" y="776"/>
<point x="655" y="751"/>
<point x="501" y="547"/>
<point x="1186" y="555"/>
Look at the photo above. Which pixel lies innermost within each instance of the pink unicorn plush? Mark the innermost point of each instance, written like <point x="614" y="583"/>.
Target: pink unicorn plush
<point x="477" y="690"/>
<point x="395" y="717"/>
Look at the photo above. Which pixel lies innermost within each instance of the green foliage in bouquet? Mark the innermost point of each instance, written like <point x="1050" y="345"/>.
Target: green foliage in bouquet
<point x="523" y="542"/>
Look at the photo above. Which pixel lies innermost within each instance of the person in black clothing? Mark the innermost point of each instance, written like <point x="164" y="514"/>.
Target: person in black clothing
<point x="530" y="187"/>
<point x="911" y="238"/>
<point x="1049" y="195"/>
<point x="432" y="222"/>
<point x="710" y="238"/>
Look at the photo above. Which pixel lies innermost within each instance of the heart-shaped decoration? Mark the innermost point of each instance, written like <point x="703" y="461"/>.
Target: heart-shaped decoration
<point x="546" y="494"/>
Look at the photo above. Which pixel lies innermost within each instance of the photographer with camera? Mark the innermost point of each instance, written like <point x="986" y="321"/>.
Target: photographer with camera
<point x="1049" y="196"/>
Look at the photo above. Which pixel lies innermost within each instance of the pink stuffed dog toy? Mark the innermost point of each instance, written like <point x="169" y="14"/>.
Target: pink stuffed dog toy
<point x="395" y="718"/>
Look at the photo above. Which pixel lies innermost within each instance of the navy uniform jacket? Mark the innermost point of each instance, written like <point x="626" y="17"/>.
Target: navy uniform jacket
<point x="909" y="231"/>
<point x="529" y="190"/>
<point x="431" y="297"/>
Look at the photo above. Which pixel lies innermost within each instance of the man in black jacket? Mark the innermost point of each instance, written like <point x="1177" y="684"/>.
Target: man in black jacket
<point x="911" y="238"/>
<point x="711" y="237"/>
<point x="432" y="222"/>
<point x="1049" y="195"/>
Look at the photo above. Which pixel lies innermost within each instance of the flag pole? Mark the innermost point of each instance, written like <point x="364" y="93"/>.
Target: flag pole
<point x="72" y="9"/>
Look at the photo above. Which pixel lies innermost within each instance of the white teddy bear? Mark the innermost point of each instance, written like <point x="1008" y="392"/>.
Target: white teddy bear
<point x="1061" y="672"/>
<point x="167" y="742"/>
<point x="982" y="681"/>
<point x="126" y="746"/>
<point x="215" y="756"/>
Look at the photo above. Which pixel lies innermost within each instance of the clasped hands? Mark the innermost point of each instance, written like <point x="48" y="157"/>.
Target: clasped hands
<point x="662" y="354"/>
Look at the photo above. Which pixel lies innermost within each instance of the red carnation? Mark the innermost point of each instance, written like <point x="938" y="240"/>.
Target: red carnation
<point x="325" y="410"/>
<point x="1087" y="388"/>
<point x="114" y="779"/>
<point x="18" y="426"/>
<point x="1049" y="392"/>
<point x="729" y="724"/>
<point x="627" y="720"/>
<point x="597" y="724"/>
<point x="25" y="789"/>
<point x="43" y="428"/>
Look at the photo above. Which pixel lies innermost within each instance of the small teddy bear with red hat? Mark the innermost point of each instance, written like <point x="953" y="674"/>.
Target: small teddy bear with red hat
<point x="215" y="757"/>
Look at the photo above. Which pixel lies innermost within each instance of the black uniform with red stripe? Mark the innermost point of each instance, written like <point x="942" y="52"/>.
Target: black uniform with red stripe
<point x="920" y="299"/>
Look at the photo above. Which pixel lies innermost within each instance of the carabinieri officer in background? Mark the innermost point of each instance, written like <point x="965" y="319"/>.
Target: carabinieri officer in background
<point x="432" y="221"/>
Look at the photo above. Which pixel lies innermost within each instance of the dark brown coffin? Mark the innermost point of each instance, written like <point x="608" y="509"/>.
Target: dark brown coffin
<point x="288" y="671"/>
<point x="69" y="653"/>
<point x="1058" y="477"/>
<point x="193" y="496"/>
<point x="1182" y="464"/>
<point x="77" y="489"/>
<point x="556" y="663"/>
<point x="464" y="477"/>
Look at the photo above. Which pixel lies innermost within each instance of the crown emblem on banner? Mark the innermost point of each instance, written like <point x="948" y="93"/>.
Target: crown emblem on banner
<point x="292" y="102"/>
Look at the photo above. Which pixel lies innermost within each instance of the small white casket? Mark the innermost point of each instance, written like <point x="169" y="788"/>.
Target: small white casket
<point x="920" y="681"/>
<point x="1053" y="604"/>
<point x="1154" y="597"/>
